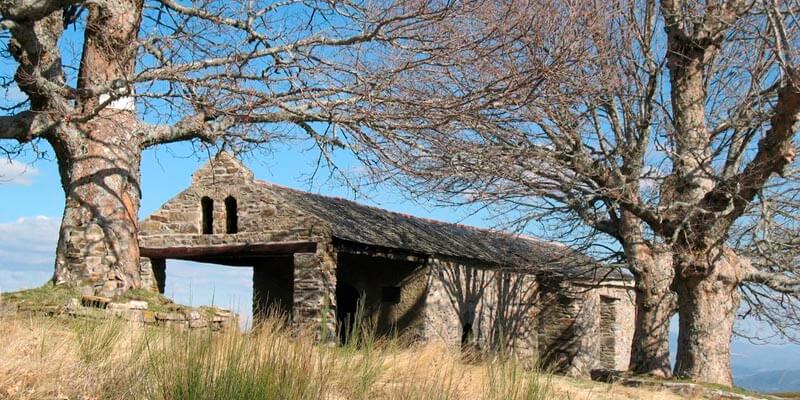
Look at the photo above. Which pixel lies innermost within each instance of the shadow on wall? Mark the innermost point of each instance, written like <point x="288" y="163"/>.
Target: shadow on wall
<point x="496" y="309"/>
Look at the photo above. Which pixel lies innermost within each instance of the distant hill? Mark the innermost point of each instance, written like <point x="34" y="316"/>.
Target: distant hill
<point x="784" y="380"/>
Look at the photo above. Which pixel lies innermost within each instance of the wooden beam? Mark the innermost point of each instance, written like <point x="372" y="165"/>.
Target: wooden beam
<point x="346" y="246"/>
<point x="229" y="250"/>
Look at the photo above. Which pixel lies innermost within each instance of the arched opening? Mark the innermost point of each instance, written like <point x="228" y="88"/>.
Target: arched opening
<point x="346" y="309"/>
<point x="231" y="215"/>
<point x="208" y="215"/>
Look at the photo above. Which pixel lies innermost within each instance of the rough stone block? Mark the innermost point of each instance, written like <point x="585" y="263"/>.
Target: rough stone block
<point x="8" y="309"/>
<point x="148" y="317"/>
<point x="162" y="316"/>
<point x="95" y="301"/>
<point x="137" y="305"/>
<point x="198" y="323"/>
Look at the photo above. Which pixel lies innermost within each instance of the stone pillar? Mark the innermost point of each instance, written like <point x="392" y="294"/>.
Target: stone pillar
<point x="154" y="273"/>
<point x="315" y="293"/>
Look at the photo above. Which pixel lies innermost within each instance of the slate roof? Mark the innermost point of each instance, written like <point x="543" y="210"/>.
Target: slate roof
<point x="354" y="222"/>
<point x="363" y="224"/>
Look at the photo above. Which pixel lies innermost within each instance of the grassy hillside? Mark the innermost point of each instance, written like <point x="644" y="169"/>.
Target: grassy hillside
<point x="60" y="358"/>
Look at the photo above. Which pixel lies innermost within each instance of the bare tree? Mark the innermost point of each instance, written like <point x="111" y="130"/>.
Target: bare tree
<point x="153" y="72"/>
<point x="567" y="116"/>
<point x="496" y="108"/>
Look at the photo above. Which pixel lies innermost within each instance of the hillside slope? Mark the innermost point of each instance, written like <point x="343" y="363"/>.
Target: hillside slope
<point x="63" y="358"/>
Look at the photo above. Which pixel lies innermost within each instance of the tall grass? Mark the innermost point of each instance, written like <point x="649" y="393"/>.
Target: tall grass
<point x="50" y="358"/>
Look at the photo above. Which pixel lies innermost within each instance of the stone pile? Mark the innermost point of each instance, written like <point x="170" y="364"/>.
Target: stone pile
<point x="94" y="307"/>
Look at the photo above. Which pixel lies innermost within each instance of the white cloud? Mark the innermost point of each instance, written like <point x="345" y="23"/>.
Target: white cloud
<point x="16" y="172"/>
<point x="27" y="252"/>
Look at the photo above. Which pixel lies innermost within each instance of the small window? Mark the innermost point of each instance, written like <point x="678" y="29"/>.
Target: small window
<point x="231" y="215"/>
<point x="390" y="294"/>
<point x="208" y="215"/>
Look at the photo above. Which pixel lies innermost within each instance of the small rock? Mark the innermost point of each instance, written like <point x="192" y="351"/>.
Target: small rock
<point x="193" y="315"/>
<point x="118" y="306"/>
<point x="8" y="309"/>
<point x="198" y="323"/>
<point x="73" y="303"/>
<point x="137" y="305"/>
<point x="161" y="316"/>
<point x="148" y="317"/>
<point x="134" y="315"/>
<point x="222" y="312"/>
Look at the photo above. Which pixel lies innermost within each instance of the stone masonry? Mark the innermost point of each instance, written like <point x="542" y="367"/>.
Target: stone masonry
<point x="319" y="259"/>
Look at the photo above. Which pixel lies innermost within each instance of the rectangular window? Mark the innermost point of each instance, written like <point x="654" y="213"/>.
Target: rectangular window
<point x="390" y="294"/>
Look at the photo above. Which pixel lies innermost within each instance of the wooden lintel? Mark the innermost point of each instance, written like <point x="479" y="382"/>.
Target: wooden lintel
<point x="344" y="246"/>
<point x="229" y="250"/>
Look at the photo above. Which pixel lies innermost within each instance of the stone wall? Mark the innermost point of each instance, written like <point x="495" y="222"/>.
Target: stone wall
<point x="585" y="327"/>
<point x="481" y="309"/>
<point x="179" y="317"/>
<point x="314" y="304"/>
<point x="620" y="296"/>
<point x="154" y="273"/>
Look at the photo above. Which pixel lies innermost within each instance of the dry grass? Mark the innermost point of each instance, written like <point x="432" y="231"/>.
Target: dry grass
<point x="71" y="359"/>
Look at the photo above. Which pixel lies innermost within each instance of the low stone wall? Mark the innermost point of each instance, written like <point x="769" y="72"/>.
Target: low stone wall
<point x="215" y="319"/>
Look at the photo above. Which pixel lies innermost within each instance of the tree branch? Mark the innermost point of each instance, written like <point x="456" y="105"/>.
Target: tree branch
<point x="777" y="282"/>
<point x="24" y="126"/>
<point x="775" y="150"/>
<point x="194" y="127"/>
<point x="32" y="10"/>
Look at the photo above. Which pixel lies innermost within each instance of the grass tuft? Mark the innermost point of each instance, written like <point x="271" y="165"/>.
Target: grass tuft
<point x="48" y="294"/>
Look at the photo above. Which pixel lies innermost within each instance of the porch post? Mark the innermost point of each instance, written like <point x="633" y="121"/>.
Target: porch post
<point x="154" y="273"/>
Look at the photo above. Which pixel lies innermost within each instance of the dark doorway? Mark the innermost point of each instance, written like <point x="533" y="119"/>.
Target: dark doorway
<point x="346" y="309"/>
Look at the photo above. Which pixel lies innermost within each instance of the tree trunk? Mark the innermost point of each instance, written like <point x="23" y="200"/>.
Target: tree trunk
<point x="97" y="249"/>
<point x="99" y="160"/>
<point x="655" y="305"/>
<point x="706" y="285"/>
<point x="651" y="265"/>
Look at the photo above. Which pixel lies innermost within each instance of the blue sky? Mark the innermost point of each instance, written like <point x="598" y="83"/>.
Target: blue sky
<point x="33" y="203"/>
<point x="33" y="200"/>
